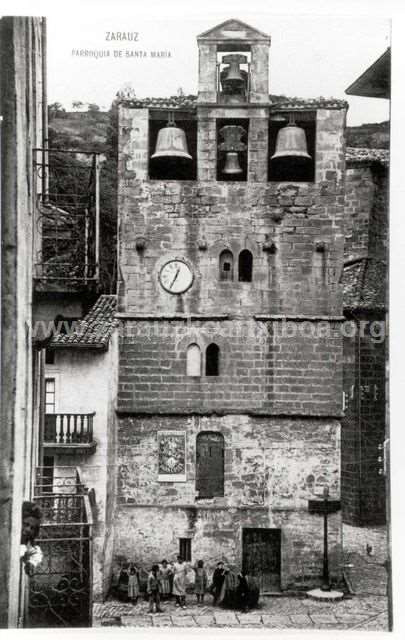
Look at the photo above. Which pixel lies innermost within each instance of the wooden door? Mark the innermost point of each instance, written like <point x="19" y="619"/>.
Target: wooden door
<point x="261" y="554"/>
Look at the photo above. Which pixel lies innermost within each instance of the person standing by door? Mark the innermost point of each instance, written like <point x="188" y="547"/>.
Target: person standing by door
<point x="179" y="582"/>
<point x="165" y="574"/>
<point x="218" y="581"/>
<point x="133" y="583"/>
<point x="154" y="589"/>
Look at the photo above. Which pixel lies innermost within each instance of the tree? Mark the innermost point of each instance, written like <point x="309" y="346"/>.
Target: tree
<point x="108" y="205"/>
<point x="77" y="104"/>
<point x="56" y="110"/>
<point x="93" y="108"/>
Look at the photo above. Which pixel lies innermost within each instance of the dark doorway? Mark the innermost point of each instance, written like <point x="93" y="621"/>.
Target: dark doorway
<point x="261" y="556"/>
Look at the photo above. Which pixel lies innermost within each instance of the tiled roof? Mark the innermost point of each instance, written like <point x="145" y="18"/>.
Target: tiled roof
<point x="364" y="284"/>
<point x="309" y="103"/>
<point x="364" y="154"/>
<point x="95" y="330"/>
<point x="190" y="102"/>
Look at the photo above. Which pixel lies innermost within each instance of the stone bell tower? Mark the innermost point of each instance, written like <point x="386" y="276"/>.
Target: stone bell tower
<point x="230" y="249"/>
<point x="236" y="47"/>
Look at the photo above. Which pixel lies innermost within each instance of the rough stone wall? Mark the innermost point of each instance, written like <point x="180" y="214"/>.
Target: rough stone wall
<point x="364" y="364"/>
<point x="276" y="367"/>
<point x="272" y="467"/>
<point x="366" y="211"/>
<point x="363" y="428"/>
<point x="356" y="539"/>
<point x="174" y="216"/>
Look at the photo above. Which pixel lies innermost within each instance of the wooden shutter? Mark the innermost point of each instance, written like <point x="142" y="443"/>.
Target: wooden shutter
<point x="210" y="465"/>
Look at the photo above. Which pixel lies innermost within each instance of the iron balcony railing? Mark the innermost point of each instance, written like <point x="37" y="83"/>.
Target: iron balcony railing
<point x="60" y="591"/>
<point x="68" y="428"/>
<point x="67" y="216"/>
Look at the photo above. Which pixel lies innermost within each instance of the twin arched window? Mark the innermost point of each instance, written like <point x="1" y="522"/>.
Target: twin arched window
<point x="245" y="265"/>
<point x="194" y="360"/>
<point x="226" y="265"/>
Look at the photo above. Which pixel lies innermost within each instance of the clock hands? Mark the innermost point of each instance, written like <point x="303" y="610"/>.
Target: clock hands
<point x="174" y="279"/>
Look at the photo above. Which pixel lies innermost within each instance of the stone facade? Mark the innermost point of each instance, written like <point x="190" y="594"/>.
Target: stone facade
<point x="276" y="400"/>
<point x="271" y="468"/>
<point x="365" y="353"/>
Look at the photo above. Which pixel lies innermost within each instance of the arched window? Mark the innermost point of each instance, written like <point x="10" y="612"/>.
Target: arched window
<point x="212" y="360"/>
<point x="193" y="360"/>
<point x="245" y="266"/>
<point x="210" y="464"/>
<point x="226" y="265"/>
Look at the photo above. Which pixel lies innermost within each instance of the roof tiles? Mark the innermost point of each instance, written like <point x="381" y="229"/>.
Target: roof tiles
<point x="95" y="330"/>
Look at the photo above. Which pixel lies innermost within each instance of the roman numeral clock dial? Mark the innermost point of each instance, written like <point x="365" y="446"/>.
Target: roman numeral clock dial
<point x="176" y="276"/>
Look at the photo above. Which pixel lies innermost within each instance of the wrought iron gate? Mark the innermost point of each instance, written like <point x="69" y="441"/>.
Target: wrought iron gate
<point x="61" y="587"/>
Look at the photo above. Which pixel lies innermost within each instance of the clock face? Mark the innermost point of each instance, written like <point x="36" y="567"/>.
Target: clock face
<point x="176" y="276"/>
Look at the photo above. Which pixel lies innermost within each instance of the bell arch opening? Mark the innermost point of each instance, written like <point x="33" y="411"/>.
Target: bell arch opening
<point x="292" y="147"/>
<point x="166" y="165"/>
<point x="232" y="149"/>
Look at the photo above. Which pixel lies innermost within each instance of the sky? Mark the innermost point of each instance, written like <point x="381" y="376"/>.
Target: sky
<point x="310" y="56"/>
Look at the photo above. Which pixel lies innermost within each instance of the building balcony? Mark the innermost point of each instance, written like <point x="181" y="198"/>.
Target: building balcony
<point x="69" y="433"/>
<point x="66" y="238"/>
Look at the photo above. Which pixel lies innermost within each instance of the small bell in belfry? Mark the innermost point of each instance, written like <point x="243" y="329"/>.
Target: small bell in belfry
<point x="234" y="80"/>
<point x="232" y="145"/>
<point x="232" y="163"/>
<point x="291" y="142"/>
<point x="171" y="142"/>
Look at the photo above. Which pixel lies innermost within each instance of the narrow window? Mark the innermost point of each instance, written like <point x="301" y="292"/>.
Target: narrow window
<point x="49" y="356"/>
<point x="194" y="360"/>
<point x="226" y="265"/>
<point x="210" y="464"/>
<point x="50" y="409"/>
<point x="50" y="395"/>
<point x="185" y="549"/>
<point x="212" y="360"/>
<point x="245" y="266"/>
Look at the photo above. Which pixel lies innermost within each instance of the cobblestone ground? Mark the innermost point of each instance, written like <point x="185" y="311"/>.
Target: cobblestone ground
<point x="358" y="612"/>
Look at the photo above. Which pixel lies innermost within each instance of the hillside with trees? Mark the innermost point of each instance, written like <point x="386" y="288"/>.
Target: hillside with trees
<point x="93" y="130"/>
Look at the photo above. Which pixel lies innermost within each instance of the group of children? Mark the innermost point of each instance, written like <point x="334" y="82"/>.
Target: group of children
<point x="165" y="580"/>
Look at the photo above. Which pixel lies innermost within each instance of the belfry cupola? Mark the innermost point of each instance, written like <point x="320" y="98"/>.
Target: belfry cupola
<point x="233" y="65"/>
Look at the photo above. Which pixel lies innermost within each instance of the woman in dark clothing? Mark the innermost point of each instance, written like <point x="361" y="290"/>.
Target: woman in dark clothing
<point x="217" y="581"/>
<point x="242" y="592"/>
<point x="123" y="584"/>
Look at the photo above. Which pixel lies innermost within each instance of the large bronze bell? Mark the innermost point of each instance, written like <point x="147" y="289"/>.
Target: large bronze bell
<point x="232" y="165"/>
<point x="234" y="79"/>
<point x="171" y="142"/>
<point x="291" y="141"/>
